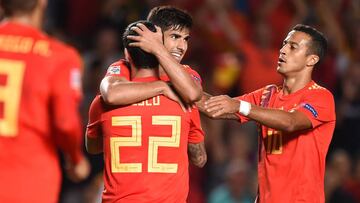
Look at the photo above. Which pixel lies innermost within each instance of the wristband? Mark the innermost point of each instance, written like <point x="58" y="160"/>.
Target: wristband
<point x="244" y="108"/>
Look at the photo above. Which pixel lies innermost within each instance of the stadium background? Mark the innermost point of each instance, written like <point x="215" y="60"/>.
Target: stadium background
<point x="234" y="46"/>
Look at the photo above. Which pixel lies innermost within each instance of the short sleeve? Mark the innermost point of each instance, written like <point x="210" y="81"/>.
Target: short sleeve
<point x="253" y="98"/>
<point x="318" y="106"/>
<point x="93" y="128"/>
<point x="68" y="76"/>
<point x="194" y="75"/>
<point x="196" y="134"/>
<point x="120" y="68"/>
<point x="66" y="95"/>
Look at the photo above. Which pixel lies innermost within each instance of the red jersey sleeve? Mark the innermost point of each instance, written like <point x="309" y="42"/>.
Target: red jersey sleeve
<point x="194" y="75"/>
<point x="196" y="134"/>
<point x="253" y="98"/>
<point x="120" y="69"/>
<point x="318" y="106"/>
<point x="93" y="128"/>
<point x="65" y="100"/>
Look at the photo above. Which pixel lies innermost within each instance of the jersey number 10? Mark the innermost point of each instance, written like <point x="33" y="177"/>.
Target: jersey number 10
<point x="274" y="142"/>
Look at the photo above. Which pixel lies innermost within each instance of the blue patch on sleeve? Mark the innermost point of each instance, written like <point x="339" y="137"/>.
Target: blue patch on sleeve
<point x="197" y="79"/>
<point x="114" y="70"/>
<point x="311" y="109"/>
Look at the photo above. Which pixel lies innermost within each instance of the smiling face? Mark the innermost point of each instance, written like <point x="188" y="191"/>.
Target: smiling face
<point x="294" y="56"/>
<point x="176" y="42"/>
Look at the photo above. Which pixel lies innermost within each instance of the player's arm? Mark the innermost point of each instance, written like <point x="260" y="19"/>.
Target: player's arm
<point x="117" y="90"/>
<point x="93" y="135"/>
<point x="93" y="145"/>
<point x="197" y="154"/>
<point x="65" y="99"/>
<point x="201" y="106"/>
<point x="273" y="118"/>
<point x="152" y="42"/>
<point x="66" y="121"/>
<point x="196" y="146"/>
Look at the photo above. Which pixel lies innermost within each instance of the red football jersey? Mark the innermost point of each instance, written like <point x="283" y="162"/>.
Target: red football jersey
<point x="121" y="69"/>
<point x="145" y="149"/>
<point x="291" y="166"/>
<point x="39" y="96"/>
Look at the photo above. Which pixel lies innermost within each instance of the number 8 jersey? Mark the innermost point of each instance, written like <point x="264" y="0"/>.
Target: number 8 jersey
<point x="39" y="98"/>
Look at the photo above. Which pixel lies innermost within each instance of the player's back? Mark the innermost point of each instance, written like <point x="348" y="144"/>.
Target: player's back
<point x="145" y="150"/>
<point x="28" y="60"/>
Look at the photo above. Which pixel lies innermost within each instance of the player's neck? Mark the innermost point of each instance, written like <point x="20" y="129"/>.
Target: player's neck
<point x="161" y="70"/>
<point x="33" y="20"/>
<point x="294" y="84"/>
<point x="142" y="73"/>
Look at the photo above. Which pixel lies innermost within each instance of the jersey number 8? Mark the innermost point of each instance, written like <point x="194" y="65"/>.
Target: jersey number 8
<point x="11" y="78"/>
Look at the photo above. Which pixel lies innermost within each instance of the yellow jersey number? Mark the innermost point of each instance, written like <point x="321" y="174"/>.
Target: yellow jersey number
<point x="10" y="95"/>
<point x="274" y="142"/>
<point x="154" y="143"/>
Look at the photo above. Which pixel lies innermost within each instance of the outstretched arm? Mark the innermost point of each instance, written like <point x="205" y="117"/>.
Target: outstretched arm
<point x="201" y="106"/>
<point x="273" y="118"/>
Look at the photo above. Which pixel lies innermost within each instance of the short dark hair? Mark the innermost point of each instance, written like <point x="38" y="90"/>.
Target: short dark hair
<point x="169" y="17"/>
<point x="140" y="58"/>
<point x="318" y="44"/>
<point x="11" y="7"/>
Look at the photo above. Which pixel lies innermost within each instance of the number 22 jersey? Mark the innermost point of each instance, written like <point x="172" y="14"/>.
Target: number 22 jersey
<point x="145" y="149"/>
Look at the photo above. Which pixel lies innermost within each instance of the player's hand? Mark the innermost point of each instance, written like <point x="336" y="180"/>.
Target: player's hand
<point x="147" y="40"/>
<point x="77" y="172"/>
<point x="220" y="105"/>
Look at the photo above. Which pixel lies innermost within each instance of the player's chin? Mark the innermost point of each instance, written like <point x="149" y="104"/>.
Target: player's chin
<point x="280" y="69"/>
<point x="178" y="59"/>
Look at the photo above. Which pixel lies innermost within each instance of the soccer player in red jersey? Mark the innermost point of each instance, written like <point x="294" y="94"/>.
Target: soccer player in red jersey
<point x="144" y="144"/>
<point x="39" y="97"/>
<point x="297" y="121"/>
<point x="175" y="24"/>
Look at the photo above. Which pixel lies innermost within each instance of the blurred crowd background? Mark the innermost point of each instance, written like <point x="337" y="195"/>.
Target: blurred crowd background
<point x="234" y="46"/>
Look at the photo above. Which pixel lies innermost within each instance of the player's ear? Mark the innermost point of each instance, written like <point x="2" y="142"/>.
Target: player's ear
<point x="312" y="60"/>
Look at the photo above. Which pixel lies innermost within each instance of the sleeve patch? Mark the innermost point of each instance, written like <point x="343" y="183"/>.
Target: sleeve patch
<point x="75" y="79"/>
<point x="311" y="109"/>
<point x="196" y="78"/>
<point x="113" y="70"/>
